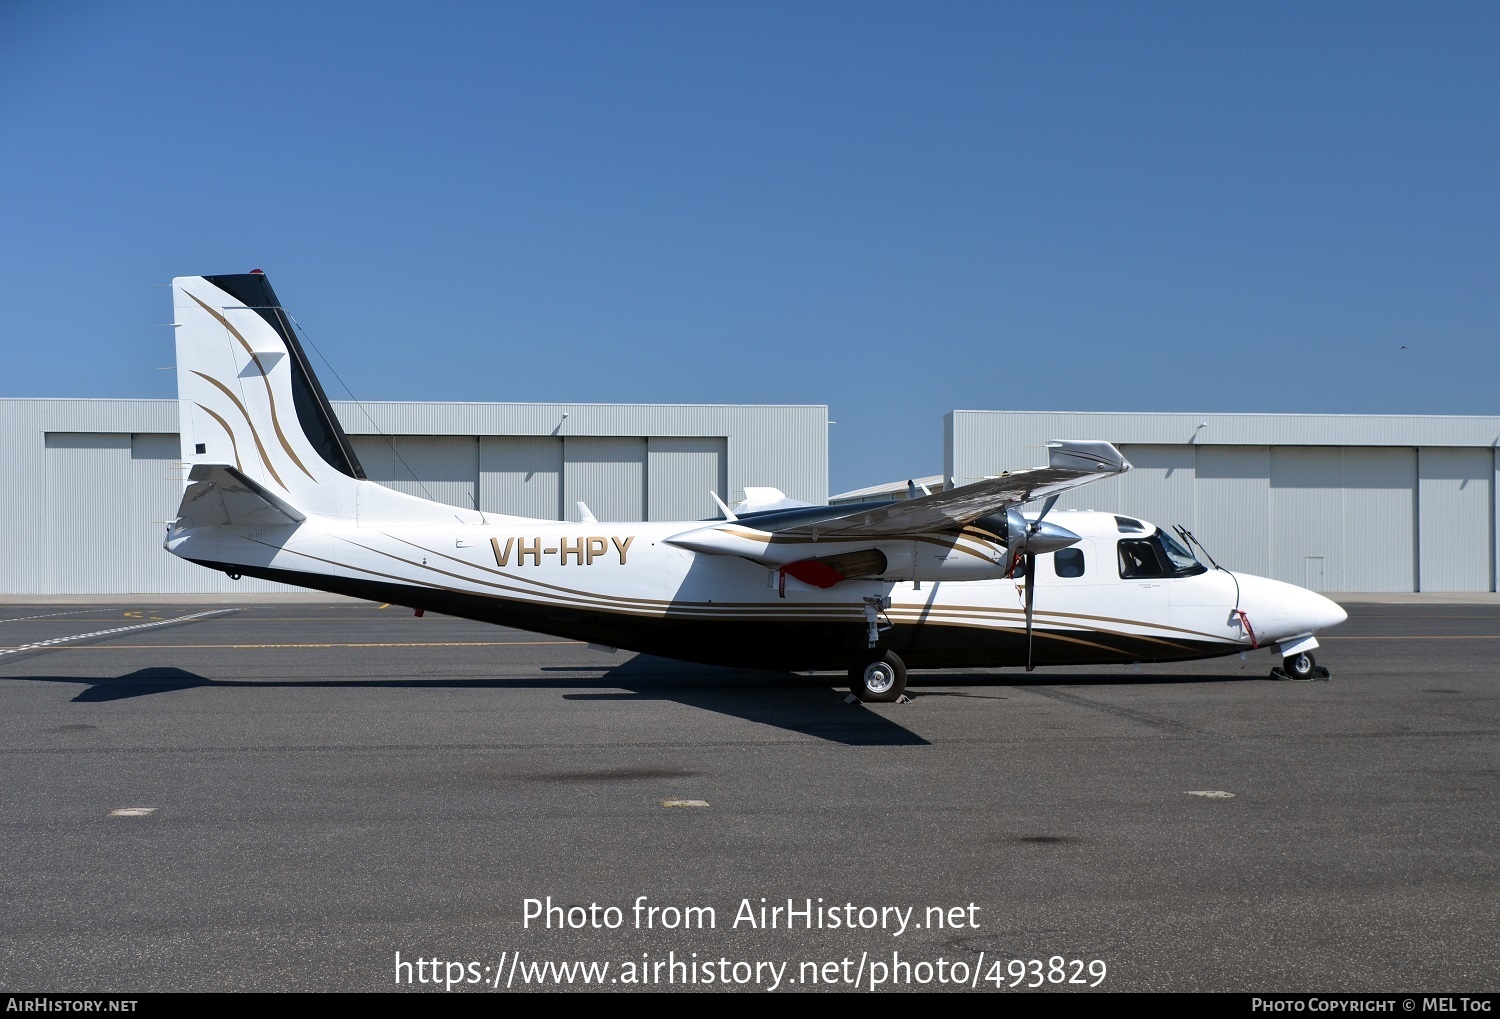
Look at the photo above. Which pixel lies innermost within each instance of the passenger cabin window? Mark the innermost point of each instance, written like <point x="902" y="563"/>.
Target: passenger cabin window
<point x="1068" y="562"/>
<point x="1160" y="555"/>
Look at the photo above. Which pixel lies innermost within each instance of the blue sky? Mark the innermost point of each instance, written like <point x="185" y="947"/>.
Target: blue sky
<point x="893" y="209"/>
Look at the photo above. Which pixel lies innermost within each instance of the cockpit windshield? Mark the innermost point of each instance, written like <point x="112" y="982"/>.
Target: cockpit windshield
<point x="1182" y="559"/>
<point x="1160" y="555"/>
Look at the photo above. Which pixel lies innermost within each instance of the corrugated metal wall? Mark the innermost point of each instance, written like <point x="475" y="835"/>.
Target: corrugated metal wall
<point x="521" y="475"/>
<point x="155" y="490"/>
<point x="1456" y="519"/>
<point x="443" y="468"/>
<point x="1349" y="504"/>
<point x="1352" y="504"/>
<point x="108" y="476"/>
<point x="1233" y="515"/>
<point x="1380" y="520"/>
<point x="1306" y="516"/>
<point x="606" y="472"/>
<point x="619" y="478"/>
<point x="681" y="471"/>
<point x="88" y="495"/>
<point x="1160" y="487"/>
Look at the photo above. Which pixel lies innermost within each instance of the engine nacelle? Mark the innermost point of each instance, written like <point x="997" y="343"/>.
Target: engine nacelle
<point x="976" y="553"/>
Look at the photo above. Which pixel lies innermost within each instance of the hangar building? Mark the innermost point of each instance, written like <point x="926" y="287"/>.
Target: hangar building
<point x="1332" y="502"/>
<point x="90" y="484"/>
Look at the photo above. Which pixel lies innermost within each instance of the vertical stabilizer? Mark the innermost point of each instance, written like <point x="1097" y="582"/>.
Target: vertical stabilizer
<point x="248" y="398"/>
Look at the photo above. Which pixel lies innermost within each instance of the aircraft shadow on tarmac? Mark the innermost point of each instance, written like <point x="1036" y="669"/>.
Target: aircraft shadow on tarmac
<point x="809" y="705"/>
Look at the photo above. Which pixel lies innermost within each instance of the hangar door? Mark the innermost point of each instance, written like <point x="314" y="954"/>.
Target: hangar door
<point x="545" y="476"/>
<point x="443" y="468"/>
<point x="1158" y="488"/>
<point x="1329" y="518"/>
<point x="86" y="474"/>
<point x="109" y="497"/>
<point x="1457" y="519"/>
<point x="1343" y="518"/>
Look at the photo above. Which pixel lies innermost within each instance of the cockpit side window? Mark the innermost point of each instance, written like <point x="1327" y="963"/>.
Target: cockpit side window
<point x="1138" y="559"/>
<point x="1157" y="556"/>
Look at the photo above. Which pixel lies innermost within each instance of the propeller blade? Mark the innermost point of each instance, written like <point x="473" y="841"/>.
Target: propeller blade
<point x="1047" y="506"/>
<point x="1017" y="531"/>
<point x="1030" y="594"/>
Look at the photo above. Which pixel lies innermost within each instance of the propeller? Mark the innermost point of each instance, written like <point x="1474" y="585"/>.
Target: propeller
<point x="1027" y="540"/>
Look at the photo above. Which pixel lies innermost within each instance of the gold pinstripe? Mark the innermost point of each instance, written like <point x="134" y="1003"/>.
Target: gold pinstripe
<point x="253" y="433"/>
<point x="979" y="617"/>
<point x="908" y="613"/>
<point x="227" y="430"/>
<point x="851" y="615"/>
<point x="971" y="617"/>
<point x="907" y="610"/>
<point x="275" y="417"/>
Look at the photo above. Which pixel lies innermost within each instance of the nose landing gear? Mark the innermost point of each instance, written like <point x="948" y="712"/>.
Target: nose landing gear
<point x="1300" y="668"/>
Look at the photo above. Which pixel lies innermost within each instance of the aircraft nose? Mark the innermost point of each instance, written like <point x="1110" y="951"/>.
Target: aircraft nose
<point x="1309" y="612"/>
<point x="1287" y="610"/>
<point x="1326" y="612"/>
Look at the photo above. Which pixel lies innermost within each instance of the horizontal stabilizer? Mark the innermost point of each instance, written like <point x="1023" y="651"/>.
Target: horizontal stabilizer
<point x="221" y="496"/>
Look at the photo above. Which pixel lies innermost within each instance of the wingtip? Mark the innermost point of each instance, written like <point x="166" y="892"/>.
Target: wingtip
<point x="1090" y="455"/>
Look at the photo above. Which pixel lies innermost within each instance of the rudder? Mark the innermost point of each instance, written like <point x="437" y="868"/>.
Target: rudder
<point x="248" y="397"/>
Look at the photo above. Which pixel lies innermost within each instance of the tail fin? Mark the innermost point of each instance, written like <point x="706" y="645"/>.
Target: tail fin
<point x="248" y="398"/>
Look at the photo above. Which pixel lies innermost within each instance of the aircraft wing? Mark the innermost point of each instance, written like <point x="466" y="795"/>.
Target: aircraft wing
<point x="1070" y="464"/>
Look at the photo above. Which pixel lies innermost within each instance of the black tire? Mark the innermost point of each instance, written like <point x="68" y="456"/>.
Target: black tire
<point x="1299" y="666"/>
<point x="878" y="677"/>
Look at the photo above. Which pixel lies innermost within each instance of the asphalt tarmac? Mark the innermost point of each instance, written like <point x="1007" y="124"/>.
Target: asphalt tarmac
<point x="320" y="793"/>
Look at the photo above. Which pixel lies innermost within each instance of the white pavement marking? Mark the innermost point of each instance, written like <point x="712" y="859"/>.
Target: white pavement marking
<point x="684" y="803"/>
<point x="53" y="615"/>
<point x="118" y="629"/>
<point x="1213" y="794"/>
<point x="132" y="811"/>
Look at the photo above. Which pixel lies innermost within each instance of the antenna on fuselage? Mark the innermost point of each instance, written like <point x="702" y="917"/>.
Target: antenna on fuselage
<point x="728" y="513"/>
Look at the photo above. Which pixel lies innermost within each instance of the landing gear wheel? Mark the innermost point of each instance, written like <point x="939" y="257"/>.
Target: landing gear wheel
<point x="878" y="676"/>
<point x="1299" y="666"/>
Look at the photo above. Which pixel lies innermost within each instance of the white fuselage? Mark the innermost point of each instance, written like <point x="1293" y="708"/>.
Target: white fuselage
<point x="274" y="490"/>
<point x="626" y="585"/>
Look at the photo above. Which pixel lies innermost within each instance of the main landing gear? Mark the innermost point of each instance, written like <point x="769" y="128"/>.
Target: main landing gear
<point x="877" y="676"/>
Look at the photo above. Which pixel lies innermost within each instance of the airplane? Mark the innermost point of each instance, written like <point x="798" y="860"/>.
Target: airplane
<point x="950" y="579"/>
